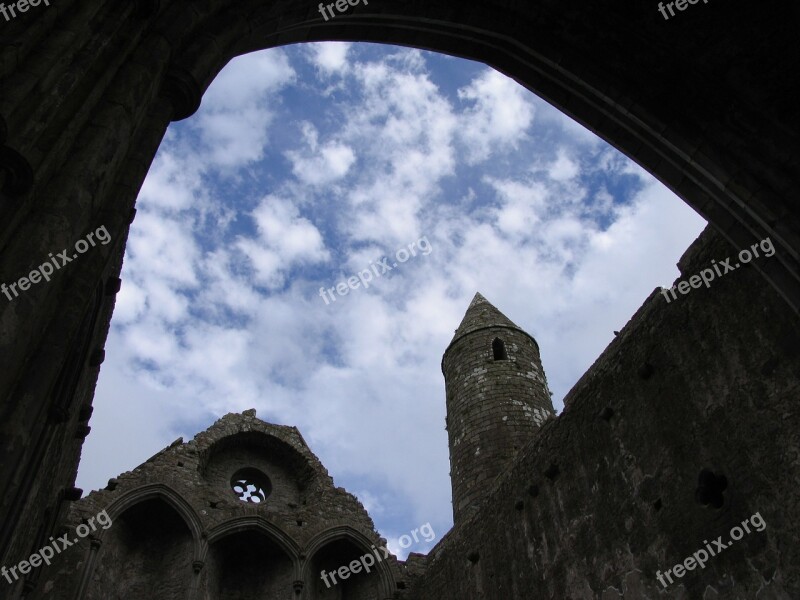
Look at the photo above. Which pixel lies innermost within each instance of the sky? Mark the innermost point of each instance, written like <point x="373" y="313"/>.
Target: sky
<point x="309" y="164"/>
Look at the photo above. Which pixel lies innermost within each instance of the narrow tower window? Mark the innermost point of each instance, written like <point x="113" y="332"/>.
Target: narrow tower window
<point x="499" y="349"/>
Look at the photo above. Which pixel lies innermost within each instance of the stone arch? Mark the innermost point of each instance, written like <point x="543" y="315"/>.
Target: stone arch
<point x="358" y="540"/>
<point x="86" y="112"/>
<point x="163" y="492"/>
<point x="289" y="470"/>
<point x="251" y="556"/>
<point x="575" y="74"/>
<point x="583" y="88"/>
<point x="152" y="527"/>
<point x="257" y="523"/>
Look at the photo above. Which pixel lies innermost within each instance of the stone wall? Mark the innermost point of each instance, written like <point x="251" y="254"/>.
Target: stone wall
<point x="611" y="491"/>
<point x="88" y="88"/>
<point x="178" y="527"/>
<point x="684" y="428"/>
<point x="246" y="565"/>
<point x="285" y="491"/>
<point x="147" y="554"/>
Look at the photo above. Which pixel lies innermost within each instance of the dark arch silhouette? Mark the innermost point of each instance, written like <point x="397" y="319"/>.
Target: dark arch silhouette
<point x="151" y="525"/>
<point x="358" y="540"/>
<point x="706" y="107"/>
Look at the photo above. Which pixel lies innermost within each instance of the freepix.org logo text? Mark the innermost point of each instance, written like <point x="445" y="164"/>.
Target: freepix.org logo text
<point x="19" y="7"/>
<point x="57" y="546"/>
<point x="363" y="278"/>
<point x="54" y="263"/>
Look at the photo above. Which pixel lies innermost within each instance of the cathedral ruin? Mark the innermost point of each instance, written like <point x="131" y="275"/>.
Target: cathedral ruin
<point x="685" y="426"/>
<point x="246" y="510"/>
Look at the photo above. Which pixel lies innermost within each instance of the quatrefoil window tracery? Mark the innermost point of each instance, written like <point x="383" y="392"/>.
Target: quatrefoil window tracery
<point x="251" y="485"/>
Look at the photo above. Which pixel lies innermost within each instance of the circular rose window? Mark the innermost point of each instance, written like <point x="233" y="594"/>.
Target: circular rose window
<point x="251" y="485"/>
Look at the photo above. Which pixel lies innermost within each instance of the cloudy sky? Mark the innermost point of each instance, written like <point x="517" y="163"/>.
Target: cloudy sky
<point x="308" y="164"/>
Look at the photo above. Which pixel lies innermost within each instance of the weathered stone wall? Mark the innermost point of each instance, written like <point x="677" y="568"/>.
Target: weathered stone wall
<point x="146" y="554"/>
<point x="247" y="565"/>
<point x="179" y="529"/>
<point x="623" y="485"/>
<point x="88" y="88"/>
<point x="357" y="586"/>
<point x="608" y="493"/>
<point x="285" y="490"/>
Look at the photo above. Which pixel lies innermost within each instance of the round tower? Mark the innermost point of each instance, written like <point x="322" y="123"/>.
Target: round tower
<point x="497" y="398"/>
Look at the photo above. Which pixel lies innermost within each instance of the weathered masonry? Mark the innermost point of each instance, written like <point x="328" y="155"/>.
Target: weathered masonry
<point x="88" y="88"/>
<point x="591" y="504"/>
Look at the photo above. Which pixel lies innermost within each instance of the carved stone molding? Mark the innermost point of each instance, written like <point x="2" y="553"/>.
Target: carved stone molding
<point x="183" y="91"/>
<point x="72" y="494"/>
<point x="82" y="431"/>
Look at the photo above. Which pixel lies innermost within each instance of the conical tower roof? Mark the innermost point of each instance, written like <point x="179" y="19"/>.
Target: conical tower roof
<point x="482" y="314"/>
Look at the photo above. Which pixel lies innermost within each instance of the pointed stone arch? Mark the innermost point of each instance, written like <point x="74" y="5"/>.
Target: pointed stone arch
<point x="247" y="568"/>
<point x="160" y="491"/>
<point x="155" y="492"/>
<point x="358" y="539"/>
<point x="253" y="523"/>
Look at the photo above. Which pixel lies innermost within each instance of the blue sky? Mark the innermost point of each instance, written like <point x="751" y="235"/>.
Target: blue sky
<point x="307" y="164"/>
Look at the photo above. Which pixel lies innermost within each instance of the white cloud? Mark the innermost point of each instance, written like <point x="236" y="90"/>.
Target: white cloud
<point x="285" y="240"/>
<point x="151" y="341"/>
<point x="320" y="165"/>
<point x="330" y="57"/>
<point x="225" y="288"/>
<point x="247" y="79"/>
<point x="172" y="184"/>
<point x="130" y="303"/>
<point x="404" y="130"/>
<point x="563" y="168"/>
<point x="235" y="115"/>
<point x="131" y="421"/>
<point x="500" y="112"/>
<point x="522" y="208"/>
